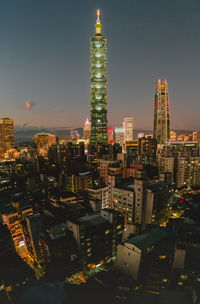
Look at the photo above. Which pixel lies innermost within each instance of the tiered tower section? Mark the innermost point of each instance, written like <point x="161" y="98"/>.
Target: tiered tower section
<point x="98" y="85"/>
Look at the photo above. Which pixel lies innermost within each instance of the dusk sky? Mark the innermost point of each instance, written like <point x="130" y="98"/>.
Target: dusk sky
<point x="44" y="60"/>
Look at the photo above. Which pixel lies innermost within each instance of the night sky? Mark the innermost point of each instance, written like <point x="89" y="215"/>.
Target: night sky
<point x="44" y="60"/>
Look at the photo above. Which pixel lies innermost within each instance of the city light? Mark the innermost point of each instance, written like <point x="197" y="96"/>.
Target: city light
<point x="103" y="202"/>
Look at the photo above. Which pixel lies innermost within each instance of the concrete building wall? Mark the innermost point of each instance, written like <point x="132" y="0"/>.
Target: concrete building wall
<point x="128" y="260"/>
<point x="75" y="229"/>
<point x="140" y="197"/>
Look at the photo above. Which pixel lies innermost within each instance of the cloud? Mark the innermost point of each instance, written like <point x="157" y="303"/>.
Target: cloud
<point x="29" y="104"/>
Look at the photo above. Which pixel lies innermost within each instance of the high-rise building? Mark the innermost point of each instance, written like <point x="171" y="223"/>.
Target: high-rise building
<point x="102" y="151"/>
<point x="166" y="165"/>
<point x="161" y="128"/>
<point x="131" y="151"/>
<point x="140" y="135"/>
<point x="98" y="85"/>
<point x="198" y="140"/>
<point x="188" y="171"/>
<point x="172" y="136"/>
<point x="75" y="136"/>
<point x="86" y="131"/>
<point x="128" y="128"/>
<point x="147" y="150"/>
<point x="6" y="134"/>
<point x="119" y="135"/>
<point x="45" y="140"/>
<point x="194" y="135"/>
<point x="110" y="135"/>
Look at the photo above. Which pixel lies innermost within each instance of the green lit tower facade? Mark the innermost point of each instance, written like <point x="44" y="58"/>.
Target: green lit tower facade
<point x="98" y="85"/>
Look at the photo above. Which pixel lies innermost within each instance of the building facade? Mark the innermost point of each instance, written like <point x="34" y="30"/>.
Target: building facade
<point x="161" y="128"/>
<point x="99" y="194"/>
<point x="6" y="134"/>
<point x="86" y="131"/>
<point x="188" y="171"/>
<point x="128" y="128"/>
<point x="110" y="135"/>
<point x="147" y="150"/>
<point x="108" y="167"/>
<point x="98" y="85"/>
<point x="119" y="135"/>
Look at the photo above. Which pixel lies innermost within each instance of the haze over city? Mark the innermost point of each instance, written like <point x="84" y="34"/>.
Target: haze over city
<point x="99" y="152"/>
<point x="45" y="61"/>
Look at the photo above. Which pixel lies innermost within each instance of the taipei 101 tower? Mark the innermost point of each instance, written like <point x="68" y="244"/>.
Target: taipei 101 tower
<point x="98" y="85"/>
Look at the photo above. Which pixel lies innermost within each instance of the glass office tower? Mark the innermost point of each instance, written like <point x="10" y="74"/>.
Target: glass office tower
<point x="161" y="128"/>
<point x="98" y="85"/>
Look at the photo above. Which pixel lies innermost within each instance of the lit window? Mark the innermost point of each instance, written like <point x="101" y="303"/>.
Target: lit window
<point x="162" y="257"/>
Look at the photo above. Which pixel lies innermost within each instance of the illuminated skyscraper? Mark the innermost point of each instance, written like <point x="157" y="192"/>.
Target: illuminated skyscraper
<point x="172" y="136"/>
<point x="128" y="128"/>
<point x="6" y="134"/>
<point x="86" y="131"/>
<point x="119" y="135"/>
<point x="161" y="128"/>
<point x="45" y="140"/>
<point x="110" y="135"/>
<point x="98" y="85"/>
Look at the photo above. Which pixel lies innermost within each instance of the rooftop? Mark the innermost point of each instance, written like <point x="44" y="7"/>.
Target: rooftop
<point x="57" y="231"/>
<point x="157" y="186"/>
<point x="92" y="220"/>
<point x="63" y="194"/>
<point x="147" y="239"/>
<point x="95" y="187"/>
<point x="117" y="164"/>
<point x="125" y="183"/>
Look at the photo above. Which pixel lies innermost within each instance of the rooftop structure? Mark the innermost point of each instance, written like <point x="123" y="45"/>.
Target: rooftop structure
<point x="147" y="239"/>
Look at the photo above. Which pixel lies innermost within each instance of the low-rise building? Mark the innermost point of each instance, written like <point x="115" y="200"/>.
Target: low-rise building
<point x="59" y="250"/>
<point x="64" y="197"/>
<point x="96" y="237"/>
<point x="100" y="194"/>
<point x="108" y="167"/>
<point x="13" y="216"/>
<point x="157" y="200"/>
<point x="80" y="182"/>
<point x="137" y="255"/>
<point x="32" y="225"/>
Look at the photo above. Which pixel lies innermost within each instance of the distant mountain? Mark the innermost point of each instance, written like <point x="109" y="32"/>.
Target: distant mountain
<point x="27" y="134"/>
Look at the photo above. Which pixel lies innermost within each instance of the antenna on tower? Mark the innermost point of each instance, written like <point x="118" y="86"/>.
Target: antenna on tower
<point x="98" y="14"/>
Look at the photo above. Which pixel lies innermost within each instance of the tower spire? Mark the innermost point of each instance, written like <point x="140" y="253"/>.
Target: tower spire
<point x="98" y="27"/>
<point x="98" y="14"/>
